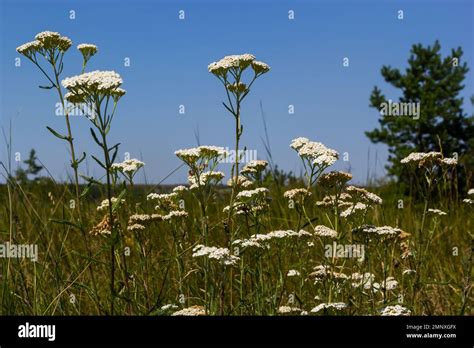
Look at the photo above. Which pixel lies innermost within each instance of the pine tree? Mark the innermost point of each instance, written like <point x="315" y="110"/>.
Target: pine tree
<point x="435" y="83"/>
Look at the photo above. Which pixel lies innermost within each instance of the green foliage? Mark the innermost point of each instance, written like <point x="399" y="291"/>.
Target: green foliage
<point x="32" y="168"/>
<point x="435" y="83"/>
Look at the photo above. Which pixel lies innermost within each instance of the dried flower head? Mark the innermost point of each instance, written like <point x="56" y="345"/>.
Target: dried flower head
<point x="254" y="167"/>
<point x="334" y="178"/>
<point x="104" y="227"/>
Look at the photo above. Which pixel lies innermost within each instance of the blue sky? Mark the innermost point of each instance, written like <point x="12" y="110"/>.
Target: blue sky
<point x="168" y="68"/>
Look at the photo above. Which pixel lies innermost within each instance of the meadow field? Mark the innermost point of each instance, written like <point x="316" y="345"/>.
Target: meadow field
<point x="255" y="241"/>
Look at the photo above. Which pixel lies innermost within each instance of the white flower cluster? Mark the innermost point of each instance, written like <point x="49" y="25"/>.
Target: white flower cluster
<point x="246" y="243"/>
<point x="436" y="212"/>
<point x="469" y="201"/>
<point x="333" y="178"/>
<point x="383" y="231"/>
<point x="336" y="305"/>
<point x="259" y="240"/>
<point x="252" y="194"/>
<point x="87" y="50"/>
<point x="288" y="309"/>
<point x="242" y="181"/>
<point x="408" y="272"/>
<point x="354" y="208"/>
<point x="323" y="271"/>
<point x="364" y="195"/>
<point x="180" y="189"/>
<point x="316" y="153"/>
<point x="30" y="48"/>
<point x="221" y="254"/>
<point x="254" y="167"/>
<point x="92" y="83"/>
<point x="165" y="201"/>
<point x="167" y="307"/>
<point x="45" y="42"/>
<point x="190" y="311"/>
<point x="135" y="227"/>
<point x="105" y="203"/>
<point x="190" y="156"/>
<point x="417" y="157"/>
<point x="323" y="231"/>
<point x="128" y="167"/>
<point x="293" y="273"/>
<point x="139" y="218"/>
<point x="296" y="193"/>
<point x="396" y="310"/>
<point x="175" y="215"/>
<point x="422" y="159"/>
<point x="205" y="179"/>
<point x="242" y="62"/>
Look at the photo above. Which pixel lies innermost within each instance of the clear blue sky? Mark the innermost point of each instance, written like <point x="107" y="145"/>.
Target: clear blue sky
<point x="169" y="59"/>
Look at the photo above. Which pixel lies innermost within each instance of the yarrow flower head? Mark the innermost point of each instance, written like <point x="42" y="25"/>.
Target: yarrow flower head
<point x="297" y="194"/>
<point x="29" y="49"/>
<point x="206" y="178"/>
<point x="87" y="50"/>
<point x="293" y="273"/>
<point x="364" y="195"/>
<point x="95" y="83"/>
<point x="204" y="152"/>
<point x="422" y="159"/>
<point x="396" y="310"/>
<point x="52" y="40"/>
<point x="105" y="203"/>
<point x="383" y="231"/>
<point x="128" y="167"/>
<point x="260" y="67"/>
<point x="221" y="67"/>
<point x="317" y="154"/>
<point x="254" y="167"/>
<point x="288" y="310"/>
<point x="221" y="254"/>
<point x="436" y="212"/>
<point x="328" y="306"/>
<point x="46" y="43"/>
<point x="334" y="178"/>
<point x="323" y="231"/>
<point x="242" y="181"/>
<point x="252" y="194"/>
<point x="190" y="311"/>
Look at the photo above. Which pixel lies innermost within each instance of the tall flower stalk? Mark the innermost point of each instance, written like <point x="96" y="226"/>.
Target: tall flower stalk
<point x="100" y="91"/>
<point x="52" y="47"/>
<point x="230" y="72"/>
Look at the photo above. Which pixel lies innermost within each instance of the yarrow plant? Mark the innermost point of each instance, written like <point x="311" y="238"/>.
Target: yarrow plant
<point x="100" y="91"/>
<point x="230" y="71"/>
<point x="260" y="242"/>
<point x="50" y="47"/>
